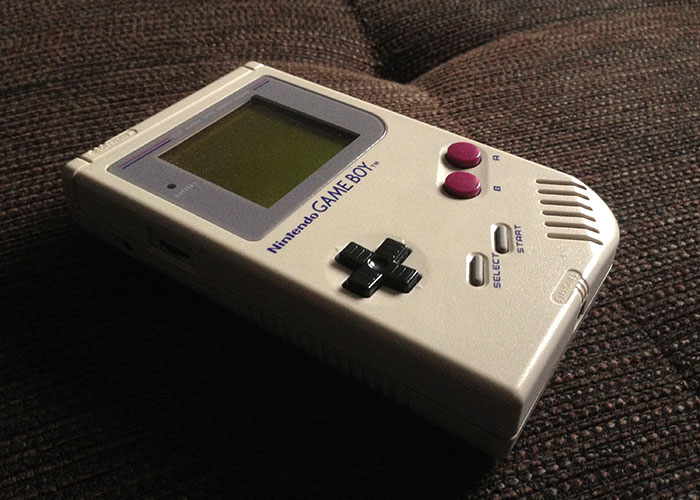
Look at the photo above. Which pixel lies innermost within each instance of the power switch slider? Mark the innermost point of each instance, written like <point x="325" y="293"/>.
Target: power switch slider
<point x="501" y="239"/>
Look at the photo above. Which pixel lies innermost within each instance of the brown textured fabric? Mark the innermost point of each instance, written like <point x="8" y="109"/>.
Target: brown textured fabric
<point x="116" y="382"/>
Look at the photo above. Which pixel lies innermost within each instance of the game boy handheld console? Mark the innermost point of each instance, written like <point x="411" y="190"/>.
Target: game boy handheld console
<point x="444" y="273"/>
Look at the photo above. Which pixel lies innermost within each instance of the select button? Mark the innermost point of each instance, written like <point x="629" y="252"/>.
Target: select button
<point x="477" y="270"/>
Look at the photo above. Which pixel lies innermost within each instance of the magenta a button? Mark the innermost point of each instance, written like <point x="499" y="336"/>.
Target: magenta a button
<point x="463" y="155"/>
<point x="462" y="185"/>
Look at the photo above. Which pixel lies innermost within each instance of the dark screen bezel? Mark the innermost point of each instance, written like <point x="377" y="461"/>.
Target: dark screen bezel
<point x="224" y="208"/>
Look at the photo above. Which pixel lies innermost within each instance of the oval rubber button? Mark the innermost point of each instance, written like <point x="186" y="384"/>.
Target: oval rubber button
<point x="463" y="155"/>
<point x="501" y="239"/>
<point x="462" y="185"/>
<point x="476" y="270"/>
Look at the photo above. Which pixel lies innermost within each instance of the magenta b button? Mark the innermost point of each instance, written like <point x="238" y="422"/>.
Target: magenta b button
<point x="463" y="155"/>
<point x="462" y="185"/>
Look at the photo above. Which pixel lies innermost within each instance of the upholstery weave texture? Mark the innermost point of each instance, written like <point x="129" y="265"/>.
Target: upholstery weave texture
<point x="117" y="382"/>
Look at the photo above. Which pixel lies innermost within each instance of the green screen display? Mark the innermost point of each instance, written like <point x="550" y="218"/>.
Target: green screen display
<point x="260" y="151"/>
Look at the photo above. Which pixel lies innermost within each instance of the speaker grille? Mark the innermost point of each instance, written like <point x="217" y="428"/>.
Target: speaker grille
<point x="567" y="211"/>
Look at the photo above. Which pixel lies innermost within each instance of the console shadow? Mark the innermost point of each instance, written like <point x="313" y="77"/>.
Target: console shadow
<point x="162" y="392"/>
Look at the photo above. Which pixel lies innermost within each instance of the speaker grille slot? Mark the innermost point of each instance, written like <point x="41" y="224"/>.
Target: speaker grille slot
<point x="571" y="225"/>
<point x="561" y="192"/>
<point x="574" y="237"/>
<point x="566" y="215"/>
<point x="566" y="203"/>
<point x="563" y="213"/>
<point x="552" y="182"/>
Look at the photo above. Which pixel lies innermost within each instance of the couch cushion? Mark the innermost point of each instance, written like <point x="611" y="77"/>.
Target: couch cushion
<point x="116" y="381"/>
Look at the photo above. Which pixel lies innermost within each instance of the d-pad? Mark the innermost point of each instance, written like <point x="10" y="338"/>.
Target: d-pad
<point x="374" y="269"/>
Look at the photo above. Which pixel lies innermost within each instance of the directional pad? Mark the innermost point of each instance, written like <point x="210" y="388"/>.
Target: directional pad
<point x="381" y="267"/>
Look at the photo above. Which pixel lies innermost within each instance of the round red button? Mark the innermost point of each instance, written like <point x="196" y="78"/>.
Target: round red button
<point x="462" y="185"/>
<point x="463" y="155"/>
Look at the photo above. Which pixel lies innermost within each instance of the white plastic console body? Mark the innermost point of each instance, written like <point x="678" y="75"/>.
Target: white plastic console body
<point x="472" y="359"/>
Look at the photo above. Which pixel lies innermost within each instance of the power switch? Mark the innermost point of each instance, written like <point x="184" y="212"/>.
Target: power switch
<point x="501" y="239"/>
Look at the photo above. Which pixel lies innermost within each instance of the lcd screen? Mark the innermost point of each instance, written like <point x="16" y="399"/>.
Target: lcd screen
<point x="261" y="151"/>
